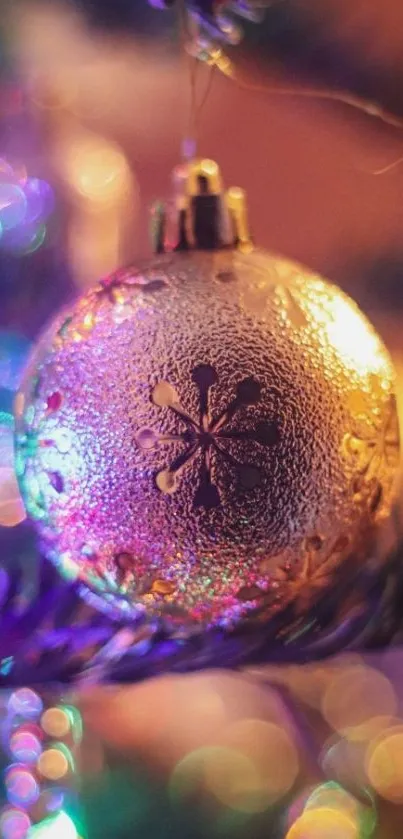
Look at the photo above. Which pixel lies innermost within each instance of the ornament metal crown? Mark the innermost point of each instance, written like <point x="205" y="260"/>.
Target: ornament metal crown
<point x="201" y="215"/>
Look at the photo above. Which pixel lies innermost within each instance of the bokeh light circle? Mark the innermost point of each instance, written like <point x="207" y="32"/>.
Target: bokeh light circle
<point x="332" y="796"/>
<point x="26" y="703"/>
<point x="13" y="205"/>
<point x="25" y="745"/>
<point x="324" y="824"/>
<point x="21" y="786"/>
<point x="53" y="764"/>
<point x="56" y="722"/>
<point x="40" y="200"/>
<point x="25" y="239"/>
<point x="384" y="764"/>
<point x="273" y="756"/>
<point x="97" y="170"/>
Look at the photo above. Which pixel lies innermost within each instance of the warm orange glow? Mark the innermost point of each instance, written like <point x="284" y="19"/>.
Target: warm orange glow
<point x="53" y="765"/>
<point x="324" y="823"/>
<point x="96" y="169"/>
<point x="344" y="761"/>
<point x="12" y="510"/>
<point x="56" y="722"/>
<point x="331" y="796"/>
<point x="352" y="336"/>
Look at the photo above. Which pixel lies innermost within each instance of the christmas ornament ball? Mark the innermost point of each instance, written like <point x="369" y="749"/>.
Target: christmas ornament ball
<point x="207" y="437"/>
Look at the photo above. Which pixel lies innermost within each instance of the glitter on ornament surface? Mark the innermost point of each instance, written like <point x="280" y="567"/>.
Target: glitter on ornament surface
<point x="217" y="452"/>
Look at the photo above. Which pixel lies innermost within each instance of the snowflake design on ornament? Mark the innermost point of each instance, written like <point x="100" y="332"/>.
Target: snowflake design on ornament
<point x="301" y="582"/>
<point x="304" y="583"/>
<point x="207" y="435"/>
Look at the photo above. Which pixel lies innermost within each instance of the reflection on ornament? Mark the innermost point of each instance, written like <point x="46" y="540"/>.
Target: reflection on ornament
<point x="187" y="438"/>
<point x="25" y="744"/>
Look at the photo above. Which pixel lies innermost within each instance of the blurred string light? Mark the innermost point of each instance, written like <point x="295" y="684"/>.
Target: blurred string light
<point x="25" y="206"/>
<point x="97" y="170"/>
<point x="384" y="764"/>
<point x="104" y="190"/>
<point x="239" y="771"/>
<point x="38" y="780"/>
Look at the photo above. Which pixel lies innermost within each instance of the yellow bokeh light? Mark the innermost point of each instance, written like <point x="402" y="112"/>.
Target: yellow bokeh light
<point x="324" y="823"/>
<point x="56" y="722"/>
<point x="344" y="761"/>
<point x="384" y="765"/>
<point x="272" y="754"/>
<point x="96" y="169"/>
<point x="332" y="796"/>
<point x="225" y="773"/>
<point x="354" y="697"/>
<point x="53" y="764"/>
